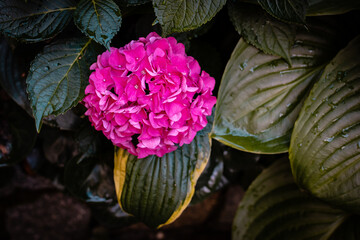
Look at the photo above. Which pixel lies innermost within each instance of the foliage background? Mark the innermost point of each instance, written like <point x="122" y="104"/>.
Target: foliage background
<point x="67" y="166"/>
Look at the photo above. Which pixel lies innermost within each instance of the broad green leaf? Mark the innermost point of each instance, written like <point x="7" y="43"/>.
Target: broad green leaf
<point x="325" y="144"/>
<point x="261" y="30"/>
<point x="287" y="10"/>
<point x="156" y="190"/>
<point x="330" y="7"/>
<point x="58" y="77"/>
<point x="35" y="20"/>
<point x="275" y="208"/>
<point x="260" y="95"/>
<point x="98" y="19"/>
<point x="184" y="15"/>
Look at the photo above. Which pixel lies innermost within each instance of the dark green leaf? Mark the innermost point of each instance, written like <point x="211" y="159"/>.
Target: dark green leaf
<point x="180" y="16"/>
<point x="35" y="20"/>
<point x="275" y="208"/>
<point x="325" y="145"/>
<point x="329" y="7"/>
<point x="260" y="95"/>
<point x="58" y="77"/>
<point x="287" y="10"/>
<point x="98" y="19"/>
<point x="157" y="189"/>
<point x="263" y="31"/>
<point x="11" y="78"/>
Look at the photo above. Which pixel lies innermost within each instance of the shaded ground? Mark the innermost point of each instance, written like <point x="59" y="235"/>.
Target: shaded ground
<point x="32" y="207"/>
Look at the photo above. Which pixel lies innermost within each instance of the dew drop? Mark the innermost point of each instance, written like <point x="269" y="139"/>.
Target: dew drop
<point x="299" y="145"/>
<point x="119" y="66"/>
<point x="281" y="115"/>
<point x="136" y="86"/>
<point x="104" y="80"/>
<point x="46" y="68"/>
<point x="137" y="59"/>
<point x="342" y="148"/>
<point x="329" y="139"/>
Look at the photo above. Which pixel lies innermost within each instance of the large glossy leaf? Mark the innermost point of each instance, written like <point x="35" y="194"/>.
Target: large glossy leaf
<point x="35" y="20"/>
<point x="325" y="145"/>
<point x="98" y="19"/>
<point x="329" y="7"/>
<point x="275" y="208"/>
<point x="156" y="190"/>
<point x="260" y="95"/>
<point x="261" y="30"/>
<point x="180" y="16"/>
<point x="58" y="77"/>
<point x="286" y="10"/>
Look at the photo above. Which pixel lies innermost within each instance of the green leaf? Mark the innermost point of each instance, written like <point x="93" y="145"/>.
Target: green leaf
<point x="325" y="145"/>
<point x="275" y="208"/>
<point x="261" y="30"/>
<point x="260" y="95"/>
<point x="180" y="16"/>
<point x="331" y="7"/>
<point x="287" y="10"/>
<point x="156" y="190"/>
<point x="58" y="77"/>
<point x="36" y="20"/>
<point x="98" y="19"/>
<point x="11" y="74"/>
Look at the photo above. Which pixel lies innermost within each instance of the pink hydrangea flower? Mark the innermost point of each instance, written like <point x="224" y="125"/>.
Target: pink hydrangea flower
<point x="149" y="96"/>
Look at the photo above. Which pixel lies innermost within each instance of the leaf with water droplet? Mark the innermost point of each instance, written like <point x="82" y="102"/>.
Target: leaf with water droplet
<point x="338" y="118"/>
<point x="260" y="95"/>
<point x="52" y="91"/>
<point x="262" y="30"/>
<point x="273" y="198"/>
<point x="98" y="19"/>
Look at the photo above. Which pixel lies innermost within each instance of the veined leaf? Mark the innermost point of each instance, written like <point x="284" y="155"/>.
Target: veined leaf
<point x="286" y="10"/>
<point x="325" y="144"/>
<point x="260" y="95"/>
<point x="275" y="208"/>
<point x="157" y="190"/>
<point x="330" y="7"/>
<point x="58" y="77"/>
<point x="35" y="20"/>
<point x="98" y="19"/>
<point x="180" y="16"/>
<point x="261" y="30"/>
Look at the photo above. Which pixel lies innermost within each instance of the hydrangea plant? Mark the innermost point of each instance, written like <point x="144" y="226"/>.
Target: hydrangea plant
<point x="285" y="80"/>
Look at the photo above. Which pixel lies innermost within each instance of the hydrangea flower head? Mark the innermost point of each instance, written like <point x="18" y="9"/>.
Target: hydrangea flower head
<point x="149" y="96"/>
